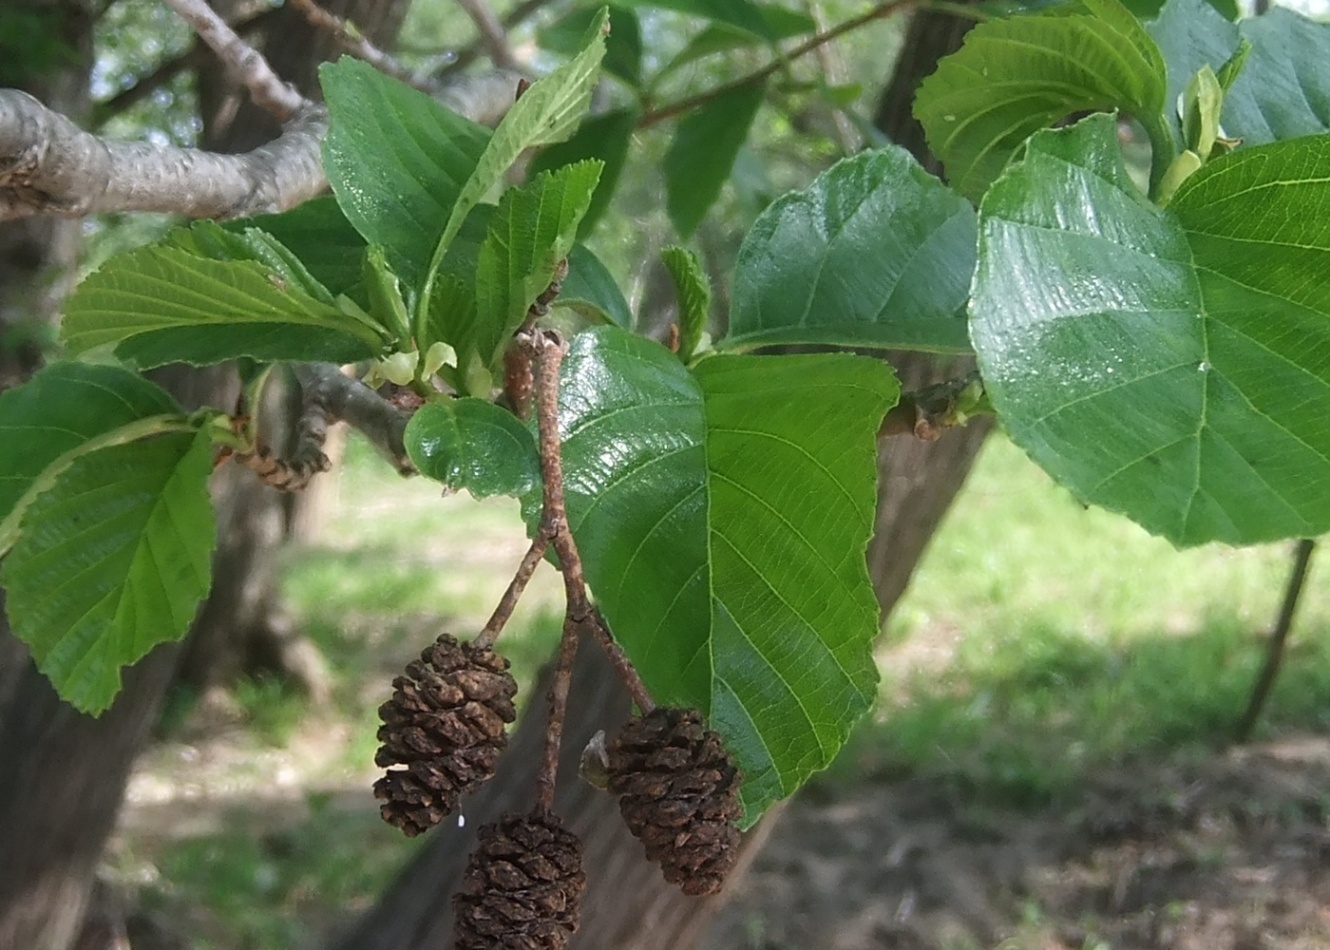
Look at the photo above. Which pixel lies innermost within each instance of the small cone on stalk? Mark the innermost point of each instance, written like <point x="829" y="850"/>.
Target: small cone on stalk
<point x="443" y="731"/>
<point x="679" y="795"/>
<point x="522" y="887"/>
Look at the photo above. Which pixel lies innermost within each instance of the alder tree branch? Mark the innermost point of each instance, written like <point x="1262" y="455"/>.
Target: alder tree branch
<point x="469" y="54"/>
<point x="48" y="165"/>
<point x="493" y="37"/>
<point x="247" y="65"/>
<point x="346" y="399"/>
<point x="196" y="57"/>
<point x="879" y="11"/>
<point x="508" y="602"/>
<point x="345" y="34"/>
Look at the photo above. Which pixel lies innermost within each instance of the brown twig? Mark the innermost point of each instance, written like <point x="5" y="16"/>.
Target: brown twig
<point x="1274" y="652"/>
<point x="493" y="36"/>
<point x="622" y="665"/>
<point x="547" y="778"/>
<point x="548" y="349"/>
<point x="513" y="594"/>
<point x="266" y="88"/>
<point x="878" y="12"/>
<point x="345" y="34"/>
<point x="469" y="54"/>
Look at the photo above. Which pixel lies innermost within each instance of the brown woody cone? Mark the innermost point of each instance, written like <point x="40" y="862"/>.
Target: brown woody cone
<point x="445" y="723"/>
<point x="680" y="796"/>
<point x="522" y="886"/>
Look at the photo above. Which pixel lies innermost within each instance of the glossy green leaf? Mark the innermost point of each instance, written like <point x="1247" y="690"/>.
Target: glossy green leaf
<point x="1015" y="76"/>
<point x="113" y="560"/>
<point x="320" y="235"/>
<point x="693" y="292"/>
<point x="473" y="444"/>
<point x="702" y="154"/>
<point x="65" y="409"/>
<point x="875" y="252"/>
<point x="722" y="515"/>
<point x="548" y="112"/>
<point x="591" y="290"/>
<point x="1282" y="91"/>
<point x="396" y="159"/>
<point x="623" y="46"/>
<point x="1172" y="365"/>
<point x="163" y="304"/>
<point x="532" y="230"/>
<point x="604" y="138"/>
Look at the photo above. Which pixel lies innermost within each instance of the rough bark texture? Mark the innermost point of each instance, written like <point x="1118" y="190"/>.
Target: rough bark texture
<point x="241" y="627"/>
<point x="628" y="906"/>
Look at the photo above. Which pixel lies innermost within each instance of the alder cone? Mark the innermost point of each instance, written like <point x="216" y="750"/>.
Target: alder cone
<point x="446" y="725"/>
<point x="680" y="796"/>
<point x="522" y="886"/>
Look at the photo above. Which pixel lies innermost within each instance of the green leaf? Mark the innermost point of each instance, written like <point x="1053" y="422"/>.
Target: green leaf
<point x="210" y="240"/>
<point x="875" y="252"/>
<point x="319" y="234"/>
<point x="694" y="294"/>
<point x="1282" y="92"/>
<point x="63" y="409"/>
<point x="549" y="111"/>
<point x="1172" y="365"/>
<point x="163" y="304"/>
<point x="722" y="515"/>
<point x="623" y="46"/>
<point x="396" y="159"/>
<point x="604" y="138"/>
<point x="532" y="230"/>
<point x="703" y="151"/>
<point x="1014" y="77"/>
<point x="113" y="560"/>
<point x="590" y="290"/>
<point x="473" y="444"/>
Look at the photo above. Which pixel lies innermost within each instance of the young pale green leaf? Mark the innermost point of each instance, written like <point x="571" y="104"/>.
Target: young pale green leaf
<point x="319" y="234"/>
<point x="875" y="252"/>
<point x="1016" y="76"/>
<point x="473" y="444"/>
<point x="1282" y="91"/>
<point x="694" y="294"/>
<point x="702" y="154"/>
<point x="722" y="515"/>
<point x="532" y="230"/>
<point x="397" y="161"/>
<point x="623" y="46"/>
<point x="604" y="138"/>
<point x="1172" y="365"/>
<point x="163" y="304"/>
<point x="64" y="408"/>
<point x="113" y="560"/>
<point x="591" y="290"/>
<point x="548" y="112"/>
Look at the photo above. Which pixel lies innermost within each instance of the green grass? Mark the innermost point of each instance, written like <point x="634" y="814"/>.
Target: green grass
<point x="1041" y="641"/>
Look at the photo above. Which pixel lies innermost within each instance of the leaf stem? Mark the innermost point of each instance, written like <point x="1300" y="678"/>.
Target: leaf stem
<point x="513" y="594"/>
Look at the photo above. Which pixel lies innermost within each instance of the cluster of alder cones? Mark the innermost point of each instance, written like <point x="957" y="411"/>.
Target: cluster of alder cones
<point x="443" y="732"/>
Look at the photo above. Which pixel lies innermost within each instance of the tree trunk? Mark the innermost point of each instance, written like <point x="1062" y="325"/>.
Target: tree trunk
<point x="628" y="905"/>
<point x="62" y="774"/>
<point x="242" y="628"/>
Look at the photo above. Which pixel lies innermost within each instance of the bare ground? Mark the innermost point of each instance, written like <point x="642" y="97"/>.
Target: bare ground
<point x="1229" y="852"/>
